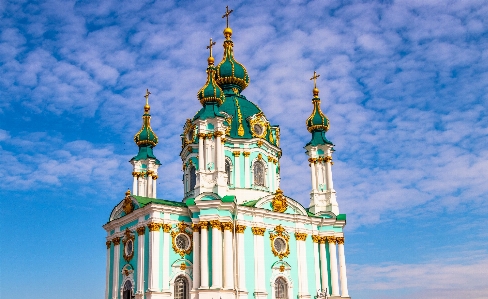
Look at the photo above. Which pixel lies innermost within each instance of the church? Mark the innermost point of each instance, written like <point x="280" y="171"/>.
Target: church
<point x="234" y="233"/>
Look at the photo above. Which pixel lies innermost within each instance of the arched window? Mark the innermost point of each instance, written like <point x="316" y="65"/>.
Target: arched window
<point x="193" y="177"/>
<point x="127" y="294"/>
<point x="281" y="288"/>
<point x="181" y="288"/>
<point x="227" y="171"/>
<point x="259" y="176"/>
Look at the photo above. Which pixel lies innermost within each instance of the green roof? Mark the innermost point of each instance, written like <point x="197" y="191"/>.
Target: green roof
<point x="251" y="203"/>
<point x="318" y="138"/>
<point x="146" y="152"/>
<point x="143" y="201"/>
<point x="341" y="217"/>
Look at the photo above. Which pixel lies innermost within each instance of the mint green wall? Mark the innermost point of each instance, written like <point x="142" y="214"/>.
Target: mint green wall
<point x="130" y="224"/>
<point x="330" y="228"/>
<point x="312" y="287"/>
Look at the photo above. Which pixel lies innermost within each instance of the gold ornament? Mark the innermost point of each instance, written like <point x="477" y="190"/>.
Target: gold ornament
<point x="183" y="266"/>
<point x="279" y="203"/>
<point x="331" y="239"/>
<point x="315" y="238"/>
<point x="195" y="227"/>
<point x="215" y="224"/>
<point x="227" y="226"/>
<point x="128" y="205"/>
<point x="300" y="236"/>
<point x="240" y="228"/>
<point x="259" y="231"/>
<point x="246" y="154"/>
<point x="108" y="243"/>
<point x="282" y="268"/>
<point x="141" y="230"/>
<point x="129" y="238"/>
<point x="116" y="240"/>
<point x="181" y="230"/>
<point x="340" y="240"/>
<point x="280" y="232"/>
<point x="236" y="153"/>
<point x="203" y="224"/>
<point x="166" y="227"/>
<point x="154" y="227"/>
<point x="259" y="126"/>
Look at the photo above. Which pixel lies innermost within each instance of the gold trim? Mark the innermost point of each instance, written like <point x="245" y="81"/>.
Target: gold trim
<point x="279" y="203"/>
<point x="203" y="225"/>
<point x="116" y="241"/>
<point x="240" y="228"/>
<point x="331" y="239"/>
<point x="258" y="120"/>
<point x="300" y="236"/>
<point x="340" y="240"/>
<point x="280" y="232"/>
<point x="154" y="227"/>
<point x="181" y="229"/>
<point x="215" y="224"/>
<point x="108" y="244"/>
<point x="259" y="231"/>
<point x="315" y="238"/>
<point x="141" y="230"/>
<point x="128" y="237"/>
<point x="259" y="143"/>
<point x="166" y="227"/>
<point x="195" y="227"/>
<point x="227" y="226"/>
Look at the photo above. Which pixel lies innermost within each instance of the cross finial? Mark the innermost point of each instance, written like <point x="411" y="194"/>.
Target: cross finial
<point x="147" y="96"/>
<point x="212" y="43"/>
<point x="227" y="13"/>
<point x="314" y="78"/>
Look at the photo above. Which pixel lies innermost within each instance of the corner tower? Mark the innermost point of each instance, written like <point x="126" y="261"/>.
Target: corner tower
<point x="229" y="147"/>
<point x="319" y="151"/>
<point x="145" y="165"/>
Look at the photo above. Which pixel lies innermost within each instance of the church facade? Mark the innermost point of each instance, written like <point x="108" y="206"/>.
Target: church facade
<point x="234" y="233"/>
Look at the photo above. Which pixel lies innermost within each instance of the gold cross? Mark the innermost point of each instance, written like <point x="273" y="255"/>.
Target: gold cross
<point x="314" y="78"/>
<point x="210" y="46"/>
<point x="227" y="13"/>
<point x="147" y="96"/>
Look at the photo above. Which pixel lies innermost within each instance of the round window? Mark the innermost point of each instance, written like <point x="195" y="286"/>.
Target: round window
<point x="182" y="242"/>
<point x="129" y="248"/>
<point x="258" y="129"/>
<point x="279" y="245"/>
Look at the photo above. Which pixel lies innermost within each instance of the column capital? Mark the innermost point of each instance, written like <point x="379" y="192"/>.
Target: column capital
<point x="316" y="238"/>
<point x="141" y="230"/>
<point x="201" y="135"/>
<point x="203" y="224"/>
<point x="236" y="153"/>
<point x="166" y="227"/>
<point x="195" y="227"/>
<point x="340" y="240"/>
<point x="218" y="133"/>
<point x="116" y="241"/>
<point x="322" y="240"/>
<point x="108" y="243"/>
<point x="227" y="226"/>
<point x="240" y="228"/>
<point x="153" y="226"/>
<point x="258" y="231"/>
<point x="215" y="224"/>
<point x="331" y="239"/>
<point x="300" y="236"/>
<point x="246" y="154"/>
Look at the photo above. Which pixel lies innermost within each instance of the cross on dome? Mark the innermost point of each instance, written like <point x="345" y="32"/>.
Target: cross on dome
<point x="147" y="107"/>
<point x="210" y="58"/>
<point x="315" y="89"/>
<point x="227" y="14"/>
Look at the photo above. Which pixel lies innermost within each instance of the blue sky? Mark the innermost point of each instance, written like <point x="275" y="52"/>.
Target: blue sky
<point x="404" y="84"/>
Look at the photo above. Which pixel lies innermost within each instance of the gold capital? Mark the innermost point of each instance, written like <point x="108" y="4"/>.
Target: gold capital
<point x="236" y="153"/>
<point x="166" y="227"/>
<point x="340" y="240"/>
<point x="246" y="154"/>
<point x="203" y="224"/>
<point x="141" y="230"/>
<point x="215" y="224"/>
<point x="153" y="227"/>
<point x="116" y="241"/>
<point x="259" y="231"/>
<point x="195" y="227"/>
<point x="300" y="236"/>
<point x="315" y="238"/>
<point x="240" y="228"/>
<point x="331" y="239"/>
<point x="108" y="244"/>
<point x="227" y="226"/>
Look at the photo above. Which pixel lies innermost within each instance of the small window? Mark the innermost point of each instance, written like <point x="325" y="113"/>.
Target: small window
<point x="227" y="171"/>
<point x="259" y="176"/>
<point x="181" y="288"/>
<point x="127" y="294"/>
<point x="193" y="177"/>
<point x="281" y="288"/>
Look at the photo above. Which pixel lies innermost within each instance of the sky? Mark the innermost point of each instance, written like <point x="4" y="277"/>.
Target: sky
<point x="403" y="83"/>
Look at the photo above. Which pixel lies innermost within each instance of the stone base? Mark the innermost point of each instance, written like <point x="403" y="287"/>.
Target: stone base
<point x="303" y="296"/>
<point x="260" y="295"/>
<point x="215" y="294"/>
<point x="158" y="295"/>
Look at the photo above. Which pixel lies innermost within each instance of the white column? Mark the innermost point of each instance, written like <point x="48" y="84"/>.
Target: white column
<point x="342" y="267"/>
<point x="269" y="176"/>
<point x="328" y="170"/>
<point x="323" y="265"/>
<point x="204" y="255"/>
<point x="216" y="254"/>
<point x="165" y="264"/>
<point x="201" y="153"/>
<point x="153" y="283"/>
<point x="107" y="270"/>
<point x="259" y="259"/>
<point x="237" y="171"/>
<point x="218" y="152"/>
<point x="314" y="179"/>
<point x="154" y="186"/>
<point x="196" y="255"/>
<point x="302" y="264"/>
<point x="139" y="186"/>
<point x="316" y="261"/>
<point x="241" y="257"/>
<point x="247" y="171"/>
<point x="115" y="278"/>
<point x="140" y="260"/>
<point x="134" y="185"/>
<point x="333" y="266"/>
<point x="149" y="186"/>
<point x="228" y="257"/>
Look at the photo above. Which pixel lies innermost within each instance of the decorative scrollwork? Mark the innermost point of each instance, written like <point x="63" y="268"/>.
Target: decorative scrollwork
<point x="116" y="240"/>
<point x="280" y="242"/>
<point x="300" y="236"/>
<point x="240" y="228"/>
<point x="182" y="240"/>
<point x="340" y="240"/>
<point x="153" y="226"/>
<point x="259" y="231"/>
<point x="279" y="203"/>
<point x="128" y="245"/>
<point x="128" y="205"/>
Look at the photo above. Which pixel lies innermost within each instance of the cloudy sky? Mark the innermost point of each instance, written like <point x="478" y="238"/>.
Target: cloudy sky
<point x="404" y="84"/>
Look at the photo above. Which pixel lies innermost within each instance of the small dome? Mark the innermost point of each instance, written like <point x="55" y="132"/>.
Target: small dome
<point x="146" y="136"/>
<point x="317" y="121"/>
<point x="211" y="92"/>
<point x="231" y="73"/>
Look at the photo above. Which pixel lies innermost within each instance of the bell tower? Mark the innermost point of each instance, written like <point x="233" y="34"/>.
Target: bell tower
<point x="319" y="151"/>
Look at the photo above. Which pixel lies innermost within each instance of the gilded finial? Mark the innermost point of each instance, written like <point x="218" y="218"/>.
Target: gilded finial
<point x="210" y="58"/>
<point x="127" y="193"/>
<point x="315" y="89"/>
<point x="227" y="30"/>
<point x="147" y="107"/>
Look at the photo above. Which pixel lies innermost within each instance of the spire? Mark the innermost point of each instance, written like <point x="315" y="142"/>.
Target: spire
<point x="230" y="73"/>
<point x="211" y="92"/>
<point x="317" y="122"/>
<point x="146" y="139"/>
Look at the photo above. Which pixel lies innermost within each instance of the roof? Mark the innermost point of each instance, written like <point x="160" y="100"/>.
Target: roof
<point x="143" y="201"/>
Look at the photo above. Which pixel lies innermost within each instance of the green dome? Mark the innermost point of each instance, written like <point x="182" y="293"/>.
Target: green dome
<point x="231" y="73"/>
<point x="146" y="136"/>
<point x="317" y="121"/>
<point x="211" y="92"/>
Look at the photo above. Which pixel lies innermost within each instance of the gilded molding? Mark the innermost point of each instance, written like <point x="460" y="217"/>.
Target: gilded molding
<point x="236" y="153"/>
<point x="331" y="239"/>
<point x="218" y="133"/>
<point x="128" y="206"/>
<point x="181" y="228"/>
<point x="195" y="227"/>
<point x="259" y="143"/>
<point x="340" y="240"/>
<point x="322" y="240"/>
<point x="116" y="241"/>
<point x="154" y="227"/>
<point x="227" y="226"/>
<point x="108" y="243"/>
<point x="183" y="266"/>
<point x="260" y="157"/>
<point x="240" y="228"/>
<point x="141" y="230"/>
<point x="315" y="238"/>
<point x="166" y="227"/>
<point x="215" y="224"/>
<point x="259" y="231"/>
<point x="300" y="236"/>
<point x="246" y="154"/>
<point x="279" y="203"/>
<point x="280" y="232"/>
<point x="203" y="224"/>
<point x="128" y="237"/>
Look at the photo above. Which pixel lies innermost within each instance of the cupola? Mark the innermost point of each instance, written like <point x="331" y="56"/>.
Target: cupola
<point x="211" y="93"/>
<point x="146" y="139"/>
<point x="317" y="122"/>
